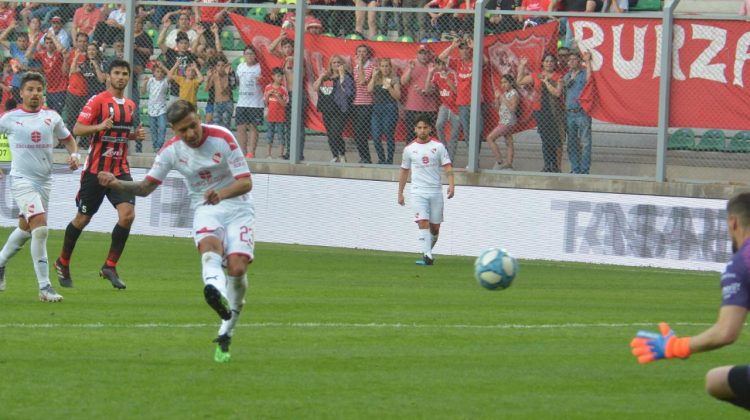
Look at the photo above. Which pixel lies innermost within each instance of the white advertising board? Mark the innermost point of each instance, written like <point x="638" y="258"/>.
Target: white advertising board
<point x="634" y="230"/>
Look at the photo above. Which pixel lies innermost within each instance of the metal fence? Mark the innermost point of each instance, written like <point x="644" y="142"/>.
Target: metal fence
<point x="367" y="72"/>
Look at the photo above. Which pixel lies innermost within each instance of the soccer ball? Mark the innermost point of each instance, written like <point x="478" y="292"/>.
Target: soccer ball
<point x="495" y="269"/>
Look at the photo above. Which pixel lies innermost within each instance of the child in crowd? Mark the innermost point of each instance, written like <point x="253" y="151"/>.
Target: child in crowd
<point x="276" y="97"/>
<point x="189" y="83"/>
<point x="158" y="94"/>
<point x="507" y="101"/>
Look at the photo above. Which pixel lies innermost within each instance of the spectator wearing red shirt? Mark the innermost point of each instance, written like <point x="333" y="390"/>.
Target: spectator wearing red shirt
<point x="442" y="22"/>
<point x="418" y="101"/>
<point x="276" y="97"/>
<point x="463" y="66"/>
<point x="443" y="80"/>
<point x="85" y="19"/>
<point x="50" y="59"/>
<point x="207" y="16"/>
<point x="7" y="15"/>
<point x="77" y="93"/>
<point x="537" y="6"/>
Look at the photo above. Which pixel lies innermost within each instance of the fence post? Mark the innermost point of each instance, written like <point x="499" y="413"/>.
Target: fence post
<point x="297" y="123"/>
<point x="475" y="134"/>
<point x="667" y="46"/>
<point x="129" y="42"/>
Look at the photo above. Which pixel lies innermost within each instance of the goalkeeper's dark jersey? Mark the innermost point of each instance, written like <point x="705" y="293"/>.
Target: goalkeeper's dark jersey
<point x="735" y="281"/>
<point x="109" y="148"/>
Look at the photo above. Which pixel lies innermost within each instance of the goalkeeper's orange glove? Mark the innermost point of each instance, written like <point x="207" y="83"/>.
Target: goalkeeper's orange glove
<point x="648" y="346"/>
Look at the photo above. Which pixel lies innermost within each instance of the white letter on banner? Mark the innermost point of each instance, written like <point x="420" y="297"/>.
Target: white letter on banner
<point x="590" y="44"/>
<point x="628" y="70"/>
<point x="702" y="67"/>
<point x="741" y="55"/>
<point x="678" y="41"/>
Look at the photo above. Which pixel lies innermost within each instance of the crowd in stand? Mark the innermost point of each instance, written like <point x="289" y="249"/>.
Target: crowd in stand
<point x="369" y="94"/>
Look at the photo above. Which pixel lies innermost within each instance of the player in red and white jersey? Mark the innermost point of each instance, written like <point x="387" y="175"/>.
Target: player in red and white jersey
<point x="424" y="157"/>
<point x="109" y="118"/>
<point x="33" y="132"/>
<point x="219" y="183"/>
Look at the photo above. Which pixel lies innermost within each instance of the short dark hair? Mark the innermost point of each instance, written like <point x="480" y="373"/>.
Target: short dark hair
<point x="739" y="205"/>
<point x="277" y="70"/>
<point x="82" y="35"/>
<point x="31" y="76"/>
<point x="179" y="110"/>
<point x="118" y="63"/>
<point x="20" y="35"/>
<point x="423" y="118"/>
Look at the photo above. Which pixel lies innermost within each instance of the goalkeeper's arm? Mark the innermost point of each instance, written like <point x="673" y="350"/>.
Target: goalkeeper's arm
<point x="650" y="346"/>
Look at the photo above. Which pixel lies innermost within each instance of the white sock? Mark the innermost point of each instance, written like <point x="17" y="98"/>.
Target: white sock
<point x="424" y="239"/>
<point x="15" y="242"/>
<point x="39" y="255"/>
<point x="213" y="273"/>
<point x="236" y="288"/>
<point x="434" y="240"/>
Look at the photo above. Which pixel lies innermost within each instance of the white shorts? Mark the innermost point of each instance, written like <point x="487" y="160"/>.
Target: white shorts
<point x="32" y="199"/>
<point x="428" y="207"/>
<point x="232" y="222"/>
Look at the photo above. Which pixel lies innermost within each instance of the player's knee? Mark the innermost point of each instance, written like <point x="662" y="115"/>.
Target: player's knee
<point x="126" y="218"/>
<point x="718" y="382"/>
<point x="40" y="233"/>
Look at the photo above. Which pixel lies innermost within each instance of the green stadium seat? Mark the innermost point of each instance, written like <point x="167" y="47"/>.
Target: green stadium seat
<point x="740" y="143"/>
<point x="154" y="35"/>
<point x="682" y="139"/>
<point x="227" y="40"/>
<point x="236" y="62"/>
<point x="145" y="119"/>
<point x="647" y="5"/>
<point x="259" y="14"/>
<point x="711" y="141"/>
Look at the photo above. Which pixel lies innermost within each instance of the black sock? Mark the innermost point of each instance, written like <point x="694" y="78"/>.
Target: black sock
<point x="69" y="243"/>
<point x="119" y="237"/>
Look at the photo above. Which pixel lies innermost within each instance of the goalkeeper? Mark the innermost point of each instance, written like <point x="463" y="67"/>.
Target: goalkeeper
<point x="727" y="383"/>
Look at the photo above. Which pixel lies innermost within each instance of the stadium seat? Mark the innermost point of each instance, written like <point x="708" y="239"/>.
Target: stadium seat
<point x="646" y="5"/>
<point x="740" y="143"/>
<point x="259" y="13"/>
<point x="236" y="62"/>
<point x="154" y="35"/>
<point x="682" y="139"/>
<point x="227" y="40"/>
<point x="711" y="141"/>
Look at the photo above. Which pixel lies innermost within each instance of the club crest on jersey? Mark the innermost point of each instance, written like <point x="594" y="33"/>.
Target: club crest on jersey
<point x="205" y="174"/>
<point x="217" y="157"/>
<point x="425" y="159"/>
<point x="30" y="209"/>
<point x="36" y="136"/>
<point x="48" y="121"/>
<point x="433" y="150"/>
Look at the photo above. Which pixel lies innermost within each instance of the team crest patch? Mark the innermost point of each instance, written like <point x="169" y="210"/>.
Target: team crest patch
<point x="434" y="150"/>
<point x="48" y="121"/>
<point x="217" y="157"/>
<point x="205" y="174"/>
<point x="36" y="136"/>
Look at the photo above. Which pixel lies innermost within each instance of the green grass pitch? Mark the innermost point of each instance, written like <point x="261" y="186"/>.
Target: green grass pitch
<point x="335" y="333"/>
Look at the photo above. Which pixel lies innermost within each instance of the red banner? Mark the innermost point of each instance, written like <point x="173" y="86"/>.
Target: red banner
<point x="503" y="52"/>
<point x="710" y="77"/>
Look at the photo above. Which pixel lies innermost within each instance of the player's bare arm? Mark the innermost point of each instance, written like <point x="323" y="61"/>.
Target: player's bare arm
<point x="139" y="188"/>
<point x="85" y="130"/>
<point x="451" y="182"/>
<point x="237" y="188"/>
<point x="403" y="175"/>
<point x="72" y="148"/>
<point x="725" y="331"/>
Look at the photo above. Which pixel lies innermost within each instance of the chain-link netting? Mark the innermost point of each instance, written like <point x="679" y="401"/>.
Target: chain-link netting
<point x="556" y="94"/>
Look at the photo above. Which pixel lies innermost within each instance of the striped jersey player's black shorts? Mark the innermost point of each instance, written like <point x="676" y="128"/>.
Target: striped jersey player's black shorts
<point x="91" y="195"/>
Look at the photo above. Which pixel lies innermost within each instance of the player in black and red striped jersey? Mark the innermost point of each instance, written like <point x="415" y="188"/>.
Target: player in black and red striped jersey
<point x="109" y="118"/>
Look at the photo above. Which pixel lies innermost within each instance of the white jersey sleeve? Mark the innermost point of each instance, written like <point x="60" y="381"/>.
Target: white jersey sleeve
<point x="60" y="130"/>
<point x="163" y="163"/>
